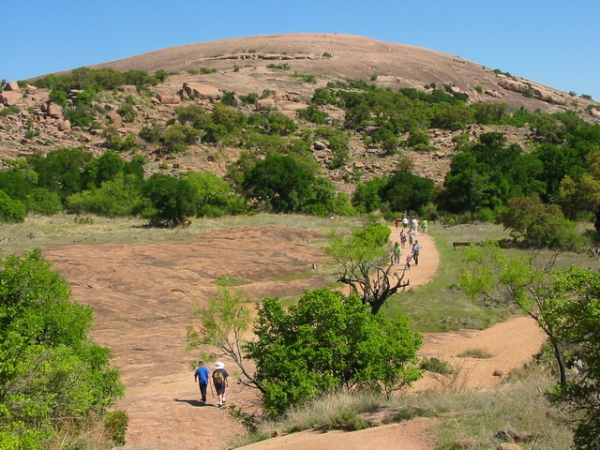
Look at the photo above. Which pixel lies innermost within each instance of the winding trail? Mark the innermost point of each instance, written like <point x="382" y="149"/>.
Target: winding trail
<point x="511" y="344"/>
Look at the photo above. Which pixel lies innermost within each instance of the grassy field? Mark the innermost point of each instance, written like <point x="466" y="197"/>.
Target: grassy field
<point x="64" y="229"/>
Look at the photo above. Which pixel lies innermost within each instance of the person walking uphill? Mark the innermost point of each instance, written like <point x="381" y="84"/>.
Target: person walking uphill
<point x="396" y="254"/>
<point x="220" y="380"/>
<point x="202" y="377"/>
<point x="415" y="252"/>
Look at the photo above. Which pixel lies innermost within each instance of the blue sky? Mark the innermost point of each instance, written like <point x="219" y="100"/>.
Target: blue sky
<point x="553" y="42"/>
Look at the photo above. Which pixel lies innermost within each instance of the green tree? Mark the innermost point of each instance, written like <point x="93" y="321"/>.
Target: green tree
<point x="407" y="192"/>
<point x="213" y="196"/>
<point x="171" y="200"/>
<point x="61" y="171"/>
<point x="221" y="326"/>
<point x="364" y="264"/>
<point x="566" y="304"/>
<point x="279" y="182"/>
<point x="328" y="342"/>
<point x="537" y="225"/>
<point x="53" y="378"/>
<point x="576" y="294"/>
<point x="118" y="197"/>
<point x="104" y="168"/>
<point x="177" y="138"/>
<point x="367" y="196"/>
<point x="583" y="195"/>
<point x="280" y="125"/>
<point x="41" y="200"/>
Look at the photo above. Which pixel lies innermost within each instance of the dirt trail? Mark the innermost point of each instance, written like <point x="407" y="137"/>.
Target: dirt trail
<point x="143" y="294"/>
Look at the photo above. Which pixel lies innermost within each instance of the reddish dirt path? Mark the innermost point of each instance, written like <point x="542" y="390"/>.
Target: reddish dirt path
<point x="143" y="295"/>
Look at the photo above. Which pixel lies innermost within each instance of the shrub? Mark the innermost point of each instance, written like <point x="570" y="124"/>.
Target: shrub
<point x="11" y="210"/>
<point x="307" y="78"/>
<point x="284" y="66"/>
<point x="9" y="111"/>
<point x="436" y="365"/>
<point x="250" y="98"/>
<point x="115" y="424"/>
<point x="476" y="353"/>
<point x="328" y="342"/>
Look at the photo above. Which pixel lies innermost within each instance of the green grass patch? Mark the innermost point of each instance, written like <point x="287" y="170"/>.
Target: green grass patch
<point x="226" y="281"/>
<point x="297" y="276"/>
<point x="476" y="353"/>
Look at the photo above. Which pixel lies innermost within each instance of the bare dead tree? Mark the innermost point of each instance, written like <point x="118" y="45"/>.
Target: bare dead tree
<point x="373" y="283"/>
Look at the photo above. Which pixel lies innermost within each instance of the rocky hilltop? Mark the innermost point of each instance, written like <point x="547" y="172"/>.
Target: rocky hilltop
<point x="253" y="64"/>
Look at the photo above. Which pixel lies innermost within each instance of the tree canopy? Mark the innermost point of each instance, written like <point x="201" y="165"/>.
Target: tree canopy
<point x="52" y="376"/>
<point x="326" y="343"/>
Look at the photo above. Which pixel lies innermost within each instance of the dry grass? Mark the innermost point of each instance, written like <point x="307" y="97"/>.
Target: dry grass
<point x="476" y="415"/>
<point x="65" y="229"/>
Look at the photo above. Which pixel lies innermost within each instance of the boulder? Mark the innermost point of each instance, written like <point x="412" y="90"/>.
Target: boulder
<point x="166" y="99"/>
<point x="10" y="98"/>
<point x="547" y="97"/>
<point x="263" y="104"/>
<point x="202" y="91"/>
<point x="318" y="145"/>
<point x="594" y="112"/>
<point x="65" y="125"/>
<point x="128" y="88"/>
<point x="114" y="117"/>
<point x="514" y="86"/>
<point x="12" y="86"/>
<point x="54" y="111"/>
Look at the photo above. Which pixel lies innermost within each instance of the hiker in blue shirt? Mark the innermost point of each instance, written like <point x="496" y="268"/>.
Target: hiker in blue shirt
<point x="202" y="376"/>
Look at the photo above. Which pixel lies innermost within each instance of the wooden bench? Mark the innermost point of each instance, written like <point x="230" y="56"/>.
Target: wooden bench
<point x="460" y="244"/>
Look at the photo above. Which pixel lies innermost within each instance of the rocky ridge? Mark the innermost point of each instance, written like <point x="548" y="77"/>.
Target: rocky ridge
<point x="246" y="65"/>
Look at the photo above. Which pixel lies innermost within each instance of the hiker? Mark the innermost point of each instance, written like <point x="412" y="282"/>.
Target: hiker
<point x="396" y="258"/>
<point x="404" y="222"/>
<point x="414" y="224"/>
<point x="407" y="265"/>
<point x="415" y="252"/>
<point x="402" y="239"/>
<point x="411" y="236"/>
<point x="202" y="377"/>
<point x="220" y="381"/>
<point x="424" y="225"/>
<point x="397" y="223"/>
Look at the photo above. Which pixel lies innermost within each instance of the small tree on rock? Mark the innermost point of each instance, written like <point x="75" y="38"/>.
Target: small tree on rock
<point x="365" y="265"/>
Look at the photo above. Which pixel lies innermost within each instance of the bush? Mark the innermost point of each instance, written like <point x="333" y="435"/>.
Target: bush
<point x="436" y="365"/>
<point x="11" y="211"/>
<point x="9" y="111"/>
<point x="54" y="378"/>
<point x="171" y="200"/>
<point x="328" y="342"/>
<point x="115" y="424"/>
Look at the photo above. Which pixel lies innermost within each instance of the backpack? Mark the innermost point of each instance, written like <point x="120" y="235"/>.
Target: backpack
<point x="218" y="378"/>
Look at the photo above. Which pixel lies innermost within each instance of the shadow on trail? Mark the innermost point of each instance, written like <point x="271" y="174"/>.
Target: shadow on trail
<point x="195" y="403"/>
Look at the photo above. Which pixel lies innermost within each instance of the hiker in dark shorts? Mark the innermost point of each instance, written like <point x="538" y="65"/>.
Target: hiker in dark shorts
<point x="202" y="376"/>
<point x="415" y="251"/>
<point x="220" y="380"/>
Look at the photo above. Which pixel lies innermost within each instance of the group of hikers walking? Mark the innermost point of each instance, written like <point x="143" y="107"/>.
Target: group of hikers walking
<point x="410" y="226"/>
<point x="219" y="380"/>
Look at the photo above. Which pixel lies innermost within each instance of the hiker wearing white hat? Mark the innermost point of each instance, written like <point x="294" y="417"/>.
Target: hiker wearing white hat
<point x="220" y="381"/>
